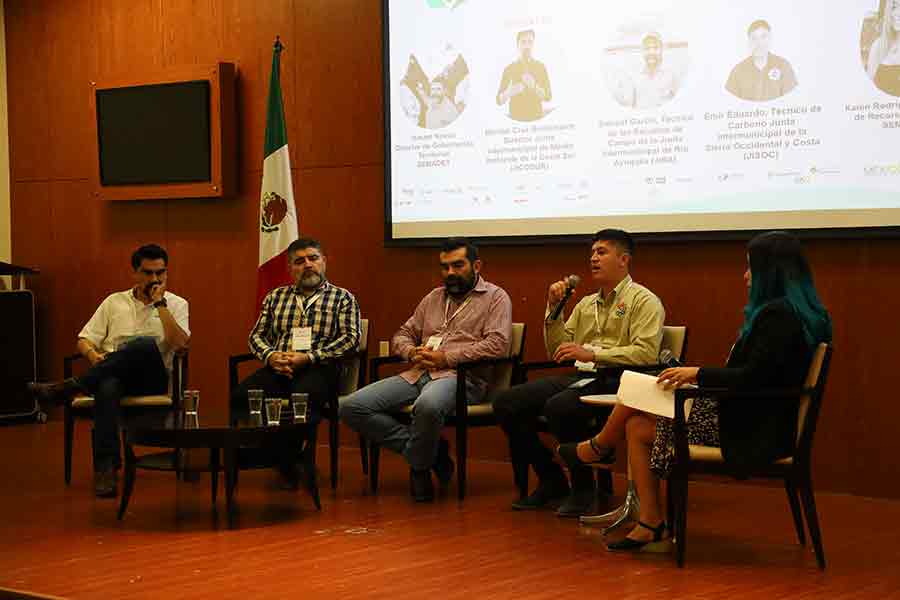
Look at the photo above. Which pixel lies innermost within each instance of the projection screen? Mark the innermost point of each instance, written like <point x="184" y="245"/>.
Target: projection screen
<point x="507" y="118"/>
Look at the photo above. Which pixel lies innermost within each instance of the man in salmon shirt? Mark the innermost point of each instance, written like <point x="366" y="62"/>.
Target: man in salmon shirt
<point x="466" y="319"/>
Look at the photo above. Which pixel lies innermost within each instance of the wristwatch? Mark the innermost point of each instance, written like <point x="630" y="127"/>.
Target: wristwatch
<point x="160" y="303"/>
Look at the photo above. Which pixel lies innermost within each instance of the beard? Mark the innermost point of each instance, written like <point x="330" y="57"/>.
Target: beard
<point x="311" y="281"/>
<point x="459" y="286"/>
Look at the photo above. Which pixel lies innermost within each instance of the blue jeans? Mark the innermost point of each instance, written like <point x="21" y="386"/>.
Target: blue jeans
<point x="367" y="411"/>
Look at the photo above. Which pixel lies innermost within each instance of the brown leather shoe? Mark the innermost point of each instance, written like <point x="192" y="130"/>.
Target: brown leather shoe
<point x="50" y="394"/>
<point x="106" y="483"/>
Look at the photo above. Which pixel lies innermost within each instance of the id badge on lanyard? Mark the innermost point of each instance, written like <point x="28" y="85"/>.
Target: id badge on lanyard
<point x="301" y="337"/>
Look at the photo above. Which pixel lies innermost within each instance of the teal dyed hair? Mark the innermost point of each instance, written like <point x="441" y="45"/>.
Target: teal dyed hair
<point x="779" y="271"/>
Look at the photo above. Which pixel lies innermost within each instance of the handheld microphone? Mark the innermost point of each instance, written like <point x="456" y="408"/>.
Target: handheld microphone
<point x="667" y="358"/>
<point x="572" y="282"/>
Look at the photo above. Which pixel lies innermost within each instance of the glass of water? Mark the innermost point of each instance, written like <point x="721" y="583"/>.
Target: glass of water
<point x="255" y="400"/>
<point x="273" y="411"/>
<point x="191" y="406"/>
<point x="300" y="403"/>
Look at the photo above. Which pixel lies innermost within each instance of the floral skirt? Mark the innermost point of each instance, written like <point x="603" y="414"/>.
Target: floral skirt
<point x="702" y="430"/>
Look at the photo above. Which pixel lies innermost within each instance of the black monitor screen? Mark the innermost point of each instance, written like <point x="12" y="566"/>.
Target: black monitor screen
<point x="154" y="134"/>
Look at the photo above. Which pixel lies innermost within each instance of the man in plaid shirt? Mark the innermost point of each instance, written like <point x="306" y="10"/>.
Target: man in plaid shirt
<point x="302" y="331"/>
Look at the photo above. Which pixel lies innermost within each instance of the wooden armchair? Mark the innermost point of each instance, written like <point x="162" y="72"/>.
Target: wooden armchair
<point x="794" y="470"/>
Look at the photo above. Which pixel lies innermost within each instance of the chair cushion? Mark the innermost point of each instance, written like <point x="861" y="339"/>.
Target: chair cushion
<point x="475" y="410"/>
<point x="705" y="453"/>
<point x="710" y="454"/>
<point x="127" y="401"/>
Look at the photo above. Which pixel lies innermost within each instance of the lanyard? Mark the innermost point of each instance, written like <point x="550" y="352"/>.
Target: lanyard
<point x="305" y="306"/>
<point x="456" y="312"/>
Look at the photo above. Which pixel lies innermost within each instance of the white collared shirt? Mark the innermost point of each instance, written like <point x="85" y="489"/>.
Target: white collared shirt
<point x="122" y="317"/>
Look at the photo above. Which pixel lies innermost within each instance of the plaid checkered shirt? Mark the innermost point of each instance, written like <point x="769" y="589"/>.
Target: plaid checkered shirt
<point x="332" y="313"/>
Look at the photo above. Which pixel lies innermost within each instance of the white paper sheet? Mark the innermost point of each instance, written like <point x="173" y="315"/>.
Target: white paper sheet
<point x="641" y="391"/>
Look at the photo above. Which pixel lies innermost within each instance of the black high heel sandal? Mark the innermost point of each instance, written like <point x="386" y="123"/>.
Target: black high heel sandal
<point x="657" y="544"/>
<point x="569" y="453"/>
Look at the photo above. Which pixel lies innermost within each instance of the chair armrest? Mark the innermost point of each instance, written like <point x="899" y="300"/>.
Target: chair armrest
<point x="484" y="362"/>
<point x="67" y="364"/>
<point x="720" y="393"/>
<point x="376" y="363"/>
<point x="541" y="365"/>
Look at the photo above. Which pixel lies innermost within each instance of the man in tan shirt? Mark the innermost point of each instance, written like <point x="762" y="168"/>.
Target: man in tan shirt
<point x="619" y="326"/>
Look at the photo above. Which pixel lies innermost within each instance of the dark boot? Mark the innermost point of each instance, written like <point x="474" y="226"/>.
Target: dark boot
<point x="51" y="394"/>
<point x="443" y="464"/>
<point x="106" y="483"/>
<point x="421" y="487"/>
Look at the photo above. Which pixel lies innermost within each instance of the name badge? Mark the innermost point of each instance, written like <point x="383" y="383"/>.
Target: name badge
<point x="301" y="339"/>
<point x="434" y="342"/>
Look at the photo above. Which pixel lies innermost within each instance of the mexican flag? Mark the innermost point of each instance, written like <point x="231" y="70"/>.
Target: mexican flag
<point x="277" y="213"/>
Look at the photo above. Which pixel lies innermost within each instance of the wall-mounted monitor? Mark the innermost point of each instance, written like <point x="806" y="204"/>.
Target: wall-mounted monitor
<point x="167" y="136"/>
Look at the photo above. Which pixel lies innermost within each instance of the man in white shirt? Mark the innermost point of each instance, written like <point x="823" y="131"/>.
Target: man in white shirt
<point x="130" y="342"/>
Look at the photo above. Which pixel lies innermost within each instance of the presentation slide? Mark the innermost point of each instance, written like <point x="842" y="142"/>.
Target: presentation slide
<point x="556" y="117"/>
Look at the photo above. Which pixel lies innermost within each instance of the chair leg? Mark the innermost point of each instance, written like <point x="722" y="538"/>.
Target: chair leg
<point x="520" y="477"/>
<point x="678" y="491"/>
<point x="333" y="444"/>
<point x="462" y="443"/>
<point x="794" y="501"/>
<point x="214" y="473"/>
<point x="364" y="455"/>
<point x="374" y="455"/>
<point x="812" y="519"/>
<point x="69" y="431"/>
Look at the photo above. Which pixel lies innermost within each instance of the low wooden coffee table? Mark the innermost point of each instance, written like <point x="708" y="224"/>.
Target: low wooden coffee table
<point x="238" y="444"/>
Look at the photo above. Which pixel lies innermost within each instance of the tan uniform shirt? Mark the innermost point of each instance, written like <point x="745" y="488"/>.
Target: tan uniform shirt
<point x="623" y="328"/>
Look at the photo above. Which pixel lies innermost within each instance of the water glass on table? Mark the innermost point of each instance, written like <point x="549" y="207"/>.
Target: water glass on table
<point x="300" y="403"/>
<point x="191" y="406"/>
<point x="273" y="411"/>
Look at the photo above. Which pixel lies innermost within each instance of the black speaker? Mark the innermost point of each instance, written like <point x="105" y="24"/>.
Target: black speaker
<point x="18" y="360"/>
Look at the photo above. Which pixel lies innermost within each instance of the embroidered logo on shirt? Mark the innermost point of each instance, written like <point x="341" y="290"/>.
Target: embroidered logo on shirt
<point x="775" y="74"/>
<point x="620" y="309"/>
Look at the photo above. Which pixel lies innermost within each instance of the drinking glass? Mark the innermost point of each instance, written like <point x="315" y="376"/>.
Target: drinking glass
<point x="273" y="411"/>
<point x="300" y="403"/>
<point x="191" y="405"/>
<point x="255" y="399"/>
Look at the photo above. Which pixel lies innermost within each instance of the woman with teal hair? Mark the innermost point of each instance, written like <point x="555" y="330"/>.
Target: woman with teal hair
<point x="784" y="321"/>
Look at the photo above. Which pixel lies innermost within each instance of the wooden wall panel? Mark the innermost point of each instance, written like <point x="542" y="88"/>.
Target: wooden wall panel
<point x="331" y="79"/>
<point x="28" y="91"/>
<point x="71" y="53"/>
<point x="128" y="36"/>
<point x="249" y="33"/>
<point x="339" y="71"/>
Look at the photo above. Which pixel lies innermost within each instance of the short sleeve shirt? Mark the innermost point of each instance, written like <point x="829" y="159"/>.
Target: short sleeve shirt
<point x="122" y="317"/>
<point x="774" y="80"/>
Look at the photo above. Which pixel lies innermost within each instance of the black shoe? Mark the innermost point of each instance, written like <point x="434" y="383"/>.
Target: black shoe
<point x="657" y="544"/>
<point x="542" y="496"/>
<point x="443" y="464"/>
<point x="577" y="504"/>
<point x="421" y="487"/>
<point x="602" y="455"/>
<point x="51" y="394"/>
<point x="106" y="483"/>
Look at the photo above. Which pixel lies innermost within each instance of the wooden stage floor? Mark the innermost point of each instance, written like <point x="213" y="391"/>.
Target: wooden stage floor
<point x="61" y="541"/>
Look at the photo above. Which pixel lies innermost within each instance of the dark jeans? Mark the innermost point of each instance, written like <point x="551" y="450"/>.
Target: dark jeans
<point x="518" y="408"/>
<point x="319" y="381"/>
<point x="135" y="369"/>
